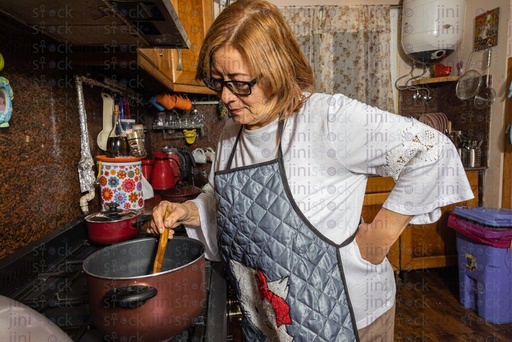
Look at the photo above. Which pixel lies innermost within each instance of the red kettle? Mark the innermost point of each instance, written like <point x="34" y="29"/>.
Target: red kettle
<point x="162" y="176"/>
<point x="176" y="164"/>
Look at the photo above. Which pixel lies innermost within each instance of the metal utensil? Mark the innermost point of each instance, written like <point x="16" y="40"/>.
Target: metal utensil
<point x="162" y="246"/>
<point x="485" y="97"/>
<point x="469" y="83"/>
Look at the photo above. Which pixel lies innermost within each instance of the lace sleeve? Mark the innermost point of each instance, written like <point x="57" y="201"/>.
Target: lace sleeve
<point x="420" y="143"/>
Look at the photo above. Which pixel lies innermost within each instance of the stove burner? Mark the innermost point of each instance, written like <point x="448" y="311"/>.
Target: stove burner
<point x="48" y="277"/>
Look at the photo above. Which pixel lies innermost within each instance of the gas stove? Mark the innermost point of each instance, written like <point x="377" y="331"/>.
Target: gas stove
<point x="47" y="276"/>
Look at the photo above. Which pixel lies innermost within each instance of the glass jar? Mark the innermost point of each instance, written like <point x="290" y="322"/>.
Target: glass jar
<point x="136" y="144"/>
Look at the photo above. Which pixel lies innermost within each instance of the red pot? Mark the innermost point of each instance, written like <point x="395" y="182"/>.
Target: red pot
<point x="128" y="302"/>
<point x="114" y="226"/>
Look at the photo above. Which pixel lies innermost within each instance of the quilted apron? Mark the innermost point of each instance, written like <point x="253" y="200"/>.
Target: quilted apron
<point x="288" y="279"/>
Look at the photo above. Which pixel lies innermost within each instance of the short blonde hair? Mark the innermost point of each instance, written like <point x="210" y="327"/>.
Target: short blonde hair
<point x="258" y="31"/>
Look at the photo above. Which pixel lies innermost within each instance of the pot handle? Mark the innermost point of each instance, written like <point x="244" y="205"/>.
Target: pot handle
<point x="128" y="297"/>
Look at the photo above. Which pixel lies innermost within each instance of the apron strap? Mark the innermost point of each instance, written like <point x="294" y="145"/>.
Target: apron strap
<point x="233" y="150"/>
<point x="349" y="239"/>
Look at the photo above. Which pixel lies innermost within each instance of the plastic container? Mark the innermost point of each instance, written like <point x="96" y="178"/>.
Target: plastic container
<point x="485" y="279"/>
<point x="121" y="183"/>
<point x="489" y="217"/>
<point x="490" y="226"/>
<point x="127" y="124"/>
<point x="485" y="261"/>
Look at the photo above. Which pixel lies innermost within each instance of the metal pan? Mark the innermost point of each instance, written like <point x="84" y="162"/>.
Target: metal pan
<point x="128" y="302"/>
<point x="468" y="85"/>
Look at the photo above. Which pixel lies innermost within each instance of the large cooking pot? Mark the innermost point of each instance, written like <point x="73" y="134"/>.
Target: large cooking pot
<point x="128" y="302"/>
<point x="114" y="225"/>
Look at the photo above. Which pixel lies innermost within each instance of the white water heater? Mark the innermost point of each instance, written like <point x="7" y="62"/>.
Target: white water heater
<point x="431" y="30"/>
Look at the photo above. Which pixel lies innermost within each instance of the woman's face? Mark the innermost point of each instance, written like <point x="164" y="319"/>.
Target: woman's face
<point x="254" y="110"/>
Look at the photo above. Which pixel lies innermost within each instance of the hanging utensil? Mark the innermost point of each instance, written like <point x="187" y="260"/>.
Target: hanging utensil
<point x="162" y="246"/>
<point x="469" y="83"/>
<point x="486" y="96"/>
<point x="108" y="108"/>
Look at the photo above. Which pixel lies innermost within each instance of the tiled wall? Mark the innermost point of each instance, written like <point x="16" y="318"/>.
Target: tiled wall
<point x="39" y="152"/>
<point x="474" y="123"/>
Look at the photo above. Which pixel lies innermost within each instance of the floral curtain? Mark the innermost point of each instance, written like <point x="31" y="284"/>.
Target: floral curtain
<point x="348" y="48"/>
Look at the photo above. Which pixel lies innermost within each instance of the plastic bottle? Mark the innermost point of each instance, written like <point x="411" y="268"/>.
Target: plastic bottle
<point x="117" y="145"/>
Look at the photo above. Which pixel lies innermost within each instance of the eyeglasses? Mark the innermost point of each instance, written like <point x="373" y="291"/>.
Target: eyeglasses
<point x="236" y="87"/>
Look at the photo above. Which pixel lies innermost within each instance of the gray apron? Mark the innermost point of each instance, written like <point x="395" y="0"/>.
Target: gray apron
<point x="287" y="277"/>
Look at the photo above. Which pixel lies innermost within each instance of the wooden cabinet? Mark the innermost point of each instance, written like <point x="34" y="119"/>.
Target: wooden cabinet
<point x="506" y="201"/>
<point x="419" y="246"/>
<point x="176" y="68"/>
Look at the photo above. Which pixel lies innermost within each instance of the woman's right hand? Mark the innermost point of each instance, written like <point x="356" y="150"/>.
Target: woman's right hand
<point x="179" y="213"/>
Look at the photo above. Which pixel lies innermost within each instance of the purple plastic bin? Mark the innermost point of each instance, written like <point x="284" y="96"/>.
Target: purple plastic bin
<point x="485" y="279"/>
<point x="489" y="217"/>
<point x="489" y="228"/>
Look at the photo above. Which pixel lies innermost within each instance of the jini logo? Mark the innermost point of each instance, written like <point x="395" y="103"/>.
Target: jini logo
<point x="444" y="12"/>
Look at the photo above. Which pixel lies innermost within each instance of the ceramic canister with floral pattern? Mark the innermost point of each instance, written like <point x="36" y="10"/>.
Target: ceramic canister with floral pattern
<point x="121" y="183"/>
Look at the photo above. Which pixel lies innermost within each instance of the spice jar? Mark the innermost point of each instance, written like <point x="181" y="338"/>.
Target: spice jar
<point x="136" y="144"/>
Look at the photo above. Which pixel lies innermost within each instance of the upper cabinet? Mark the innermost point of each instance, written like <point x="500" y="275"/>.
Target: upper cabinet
<point x="101" y="23"/>
<point x="176" y="68"/>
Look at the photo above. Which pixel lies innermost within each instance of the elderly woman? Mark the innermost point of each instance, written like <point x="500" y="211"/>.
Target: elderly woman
<point x="282" y="209"/>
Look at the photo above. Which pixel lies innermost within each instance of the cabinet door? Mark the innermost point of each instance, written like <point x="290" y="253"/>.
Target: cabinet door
<point x="176" y="69"/>
<point x="157" y="61"/>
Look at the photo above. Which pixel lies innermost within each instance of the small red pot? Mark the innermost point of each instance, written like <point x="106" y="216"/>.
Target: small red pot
<point x="110" y="227"/>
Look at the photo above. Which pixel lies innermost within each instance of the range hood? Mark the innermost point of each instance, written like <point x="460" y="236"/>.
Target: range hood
<point x="102" y="22"/>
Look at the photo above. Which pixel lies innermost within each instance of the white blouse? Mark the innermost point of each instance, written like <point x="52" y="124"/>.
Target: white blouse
<point x="330" y="148"/>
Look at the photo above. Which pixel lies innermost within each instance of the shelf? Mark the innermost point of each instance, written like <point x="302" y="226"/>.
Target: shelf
<point x="435" y="80"/>
<point x="176" y="129"/>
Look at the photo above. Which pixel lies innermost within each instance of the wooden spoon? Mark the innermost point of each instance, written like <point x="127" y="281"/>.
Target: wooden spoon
<point x="162" y="246"/>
